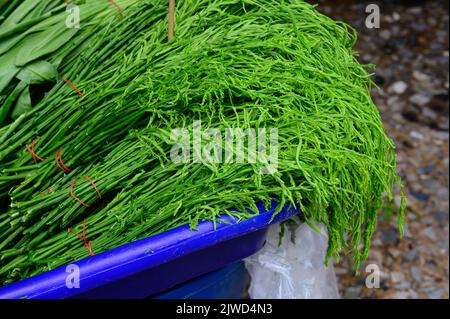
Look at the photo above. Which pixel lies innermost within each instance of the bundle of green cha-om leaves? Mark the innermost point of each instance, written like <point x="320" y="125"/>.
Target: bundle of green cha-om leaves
<point x="245" y="64"/>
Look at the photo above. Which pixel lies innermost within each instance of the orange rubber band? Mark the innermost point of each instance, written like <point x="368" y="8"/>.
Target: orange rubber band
<point x="72" y="86"/>
<point x="79" y="200"/>
<point x="93" y="185"/>
<point x="60" y="162"/>
<point x="117" y="7"/>
<point x="49" y="190"/>
<point x="32" y="152"/>
<point x="83" y="238"/>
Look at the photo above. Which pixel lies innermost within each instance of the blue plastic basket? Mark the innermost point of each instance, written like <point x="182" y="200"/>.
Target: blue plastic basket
<point x="155" y="264"/>
<point x="228" y="282"/>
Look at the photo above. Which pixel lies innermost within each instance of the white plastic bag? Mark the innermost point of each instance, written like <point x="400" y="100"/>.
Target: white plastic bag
<point x="294" y="269"/>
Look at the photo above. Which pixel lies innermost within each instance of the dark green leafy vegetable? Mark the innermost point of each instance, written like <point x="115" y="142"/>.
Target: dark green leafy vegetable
<point x="36" y="34"/>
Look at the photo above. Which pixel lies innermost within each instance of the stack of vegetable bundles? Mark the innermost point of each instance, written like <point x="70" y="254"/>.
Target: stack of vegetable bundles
<point x="95" y="151"/>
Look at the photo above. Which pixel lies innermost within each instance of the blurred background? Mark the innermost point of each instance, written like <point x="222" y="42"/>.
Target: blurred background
<point x="410" y="50"/>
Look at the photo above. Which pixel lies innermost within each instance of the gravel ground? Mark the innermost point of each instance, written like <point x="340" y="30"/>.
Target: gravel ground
<point x="410" y="50"/>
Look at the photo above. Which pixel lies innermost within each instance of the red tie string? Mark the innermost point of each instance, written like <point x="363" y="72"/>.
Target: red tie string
<point x="32" y="152"/>
<point x="117" y="7"/>
<point x="93" y="185"/>
<point x="49" y="190"/>
<point x="60" y="162"/>
<point x="72" y="86"/>
<point x="83" y="238"/>
<point x="79" y="200"/>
